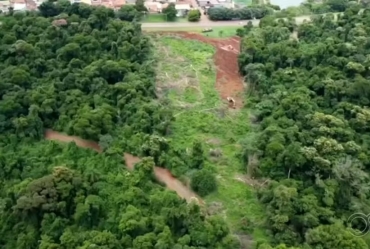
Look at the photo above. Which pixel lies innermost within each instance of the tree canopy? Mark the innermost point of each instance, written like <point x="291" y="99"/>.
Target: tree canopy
<point x="78" y="69"/>
<point x="246" y="13"/>
<point x="170" y="12"/>
<point x="310" y="93"/>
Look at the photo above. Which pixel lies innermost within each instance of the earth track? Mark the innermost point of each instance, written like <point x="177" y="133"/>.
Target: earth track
<point x="162" y="175"/>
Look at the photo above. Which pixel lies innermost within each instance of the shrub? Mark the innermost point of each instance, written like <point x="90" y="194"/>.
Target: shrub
<point x="194" y="15"/>
<point x="203" y="182"/>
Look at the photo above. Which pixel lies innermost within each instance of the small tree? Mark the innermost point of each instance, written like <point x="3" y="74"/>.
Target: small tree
<point x="170" y="12"/>
<point x="203" y="182"/>
<point x="128" y="13"/>
<point x="194" y="15"/>
<point x="197" y="155"/>
<point x="139" y="6"/>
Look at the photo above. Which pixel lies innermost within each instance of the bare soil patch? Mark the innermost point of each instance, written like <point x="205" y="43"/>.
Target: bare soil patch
<point x="54" y="135"/>
<point x="130" y="160"/>
<point x="162" y="175"/>
<point x="229" y="82"/>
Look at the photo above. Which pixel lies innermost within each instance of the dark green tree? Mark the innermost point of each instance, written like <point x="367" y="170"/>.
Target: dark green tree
<point x="139" y="6"/>
<point x="194" y="15"/>
<point x="170" y="12"/>
<point x="203" y="182"/>
<point x="128" y="13"/>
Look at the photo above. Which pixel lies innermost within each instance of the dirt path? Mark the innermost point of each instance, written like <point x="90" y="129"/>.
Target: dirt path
<point x="162" y="175"/>
<point x="229" y="82"/>
<point x="57" y="136"/>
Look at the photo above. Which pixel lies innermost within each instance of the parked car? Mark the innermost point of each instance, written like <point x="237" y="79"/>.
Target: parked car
<point x="207" y="30"/>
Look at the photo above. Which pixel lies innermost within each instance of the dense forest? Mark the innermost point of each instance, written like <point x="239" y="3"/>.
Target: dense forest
<point x="247" y="13"/>
<point x="310" y="93"/>
<point x="82" y="71"/>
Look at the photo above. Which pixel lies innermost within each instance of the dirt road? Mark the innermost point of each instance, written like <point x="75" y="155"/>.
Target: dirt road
<point x="162" y="175"/>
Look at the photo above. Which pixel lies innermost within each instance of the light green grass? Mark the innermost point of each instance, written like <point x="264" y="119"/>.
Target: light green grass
<point x="160" y="18"/>
<point x="227" y="31"/>
<point x="187" y="74"/>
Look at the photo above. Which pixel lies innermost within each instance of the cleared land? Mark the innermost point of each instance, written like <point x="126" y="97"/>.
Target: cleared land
<point x="228" y="81"/>
<point x="217" y="32"/>
<point x="187" y="74"/>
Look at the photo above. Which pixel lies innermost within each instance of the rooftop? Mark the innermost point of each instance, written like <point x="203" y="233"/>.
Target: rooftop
<point x="4" y="3"/>
<point x="119" y="3"/>
<point x="182" y="6"/>
<point x="19" y="6"/>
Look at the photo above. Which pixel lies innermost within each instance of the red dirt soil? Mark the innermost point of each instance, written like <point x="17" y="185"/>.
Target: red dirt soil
<point x="162" y="175"/>
<point x="57" y="136"/>
<point x="229" y="82"/>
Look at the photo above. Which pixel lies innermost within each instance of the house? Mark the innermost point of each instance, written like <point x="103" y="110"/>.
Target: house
<point x="33" y="4"/>
<point x="182" y="9"/>
<point x="95" y="2"/>
<point x="205" y="4"/>
<point x="130" y="2"/>
<point x="18" y="5"/>
<point x="154" y="7"/>
<point x="117" y="4"/>
<point x="107" y="3"/>
<point x="4" y="6"/>
<point x="86" y="2"/>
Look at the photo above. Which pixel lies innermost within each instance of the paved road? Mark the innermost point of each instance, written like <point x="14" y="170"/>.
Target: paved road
<point x="299" y="20"/>
<point x="205" y="23"/>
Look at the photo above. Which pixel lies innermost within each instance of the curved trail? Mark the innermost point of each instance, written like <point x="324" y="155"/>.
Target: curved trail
<point x="162" y="175"/>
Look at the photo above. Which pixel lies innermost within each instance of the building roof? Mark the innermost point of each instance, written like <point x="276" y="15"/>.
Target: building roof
<point x="153" y="6"/>
<point x="119" y="3"/>
<point x="19" y="6"/>
<point x="4" y="4"/>
<point x="31" y="5"/>
<point x="185" y="1"/>
<point x="182" y="6"/>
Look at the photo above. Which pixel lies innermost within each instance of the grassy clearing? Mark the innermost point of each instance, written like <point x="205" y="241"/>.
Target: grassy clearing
<point x="222" y="32"/>
<point x="227" y="31"/>
<point x="160" y="18"/>
<point x="186" y="75"/>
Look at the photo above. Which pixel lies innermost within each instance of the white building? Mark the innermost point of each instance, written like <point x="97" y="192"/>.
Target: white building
<point x="182" y="9"/>
<point x="4" y="6"/>
<point x="153" y="7"/>
<point x="19" y="6"/>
